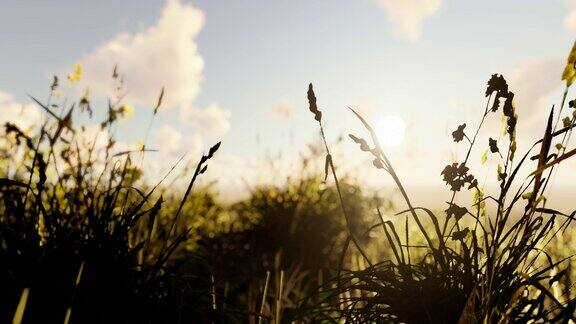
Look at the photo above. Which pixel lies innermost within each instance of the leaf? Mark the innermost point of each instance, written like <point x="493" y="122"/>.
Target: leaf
<point x="213" y="150"/>
<point x="363" y="145"/>
<point x="468" y="314"/>
<point x="569" y="73"/>
<point x="496" y="83"/>
<point x="42" y="166"/>
<point x="456" y="211"/>
<point x="76" y="75"/>
<point x="10" y="182"/>
<point x="152" y="216"/>
<point x="19" y="134"/>
<point x="54" y="83"/>
<point x="19" y="313"/>
<point x="312" y="104"/>
<point x="45" y="108"/>
<point x="501" y="175"/>
<point x="543" y="156"/>
<point x="493" y="145"/>
<point x="484" y="157"/>
<point x="557" y="276"/>
<point x="559" y="146"/>
<point x="508" y="109"/>
<point x="115" y="72"/>
<point x="460" y="235"/>
<point x="159" y="102"/>
<point x="378" y="164"/>
<point x="367" y="126"/>
<point x="458" y="134"/>
<point x="456" y="176"/>
<point x="327" y="165"/>
<point x="133" y="151"/>
<point x="561" y="158"/>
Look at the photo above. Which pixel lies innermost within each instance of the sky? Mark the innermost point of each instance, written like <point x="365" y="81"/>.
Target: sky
<point x="238" y="71"/>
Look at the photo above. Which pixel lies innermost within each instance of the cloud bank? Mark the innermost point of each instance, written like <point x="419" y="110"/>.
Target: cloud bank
<point x="162" y="55"/>
<point x="533" y="81"/>
<point x="25" y="116"/>
<point x="407" y="16"/>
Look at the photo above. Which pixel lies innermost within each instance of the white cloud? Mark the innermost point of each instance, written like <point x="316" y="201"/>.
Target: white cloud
<point x="570" y="19"/>
<point x="570" y="22"/>
<point x="25" y="116"/>
<point x="167" y="138"/>
<point x="165" y="54"/>
<point x="407" y="16"/>
<point x="533" y="81"/>
<point x="211" y="121"/>
<point x="283" y="109"/>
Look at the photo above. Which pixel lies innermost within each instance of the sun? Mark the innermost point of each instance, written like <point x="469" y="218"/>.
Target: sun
<point x="390" y="130"/>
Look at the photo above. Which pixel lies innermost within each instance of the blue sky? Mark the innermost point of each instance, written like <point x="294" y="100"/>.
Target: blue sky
<point x="426" y="61"/>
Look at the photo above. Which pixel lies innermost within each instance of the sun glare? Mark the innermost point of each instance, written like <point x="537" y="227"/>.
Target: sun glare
<point x="390" y="130"/>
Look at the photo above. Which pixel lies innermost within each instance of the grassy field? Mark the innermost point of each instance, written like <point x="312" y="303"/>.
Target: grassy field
<point x="85" y="237"/>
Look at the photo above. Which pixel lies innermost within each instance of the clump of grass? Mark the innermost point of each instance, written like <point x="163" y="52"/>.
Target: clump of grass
<point x="77" y="235"/>
<point x="478" y="263"/>
<point x="294" y="228"/>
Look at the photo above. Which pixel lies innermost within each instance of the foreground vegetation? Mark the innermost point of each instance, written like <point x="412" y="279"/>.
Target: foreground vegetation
<point x="85" y="238"/>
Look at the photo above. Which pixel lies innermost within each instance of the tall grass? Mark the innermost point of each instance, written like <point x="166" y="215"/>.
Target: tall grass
<point x="84" y="238"/>
<point x="74" y="226"/>
<point x="478" y="263"/>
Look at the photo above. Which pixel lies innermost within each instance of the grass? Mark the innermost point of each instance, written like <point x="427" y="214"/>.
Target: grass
<point x="85" y="238"/>
<point x="78" y="237"/>
<point x="491" y="268"/>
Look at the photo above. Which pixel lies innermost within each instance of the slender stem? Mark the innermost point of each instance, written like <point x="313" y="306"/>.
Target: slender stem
<point x="264" y="297"/>
<point x="466" y="160"/>
<point x="337" y="183"/>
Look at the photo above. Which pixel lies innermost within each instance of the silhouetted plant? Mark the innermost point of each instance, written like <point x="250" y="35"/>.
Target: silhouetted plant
<point x="76" y="234"/>
<point x="480" y="266"/>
